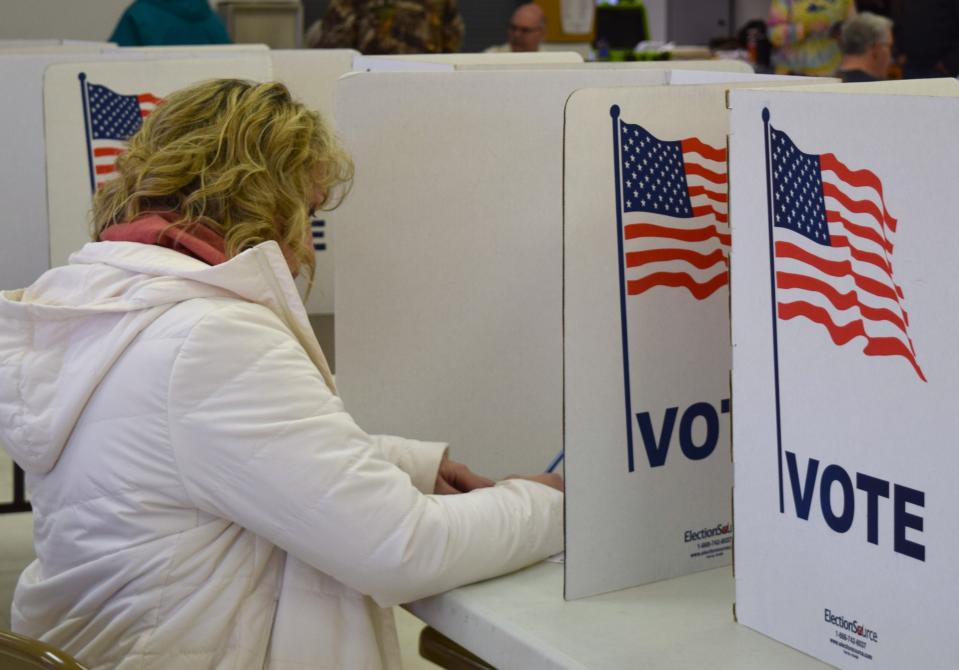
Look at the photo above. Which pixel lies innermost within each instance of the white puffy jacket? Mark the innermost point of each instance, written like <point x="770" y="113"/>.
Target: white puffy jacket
<point x="201" y="498"/>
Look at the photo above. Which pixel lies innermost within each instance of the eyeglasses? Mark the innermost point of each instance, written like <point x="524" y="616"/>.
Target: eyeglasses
<point x="523" y="30"/>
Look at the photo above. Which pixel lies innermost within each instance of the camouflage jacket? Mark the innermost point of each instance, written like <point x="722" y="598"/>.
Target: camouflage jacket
<point x="393" y="26"/>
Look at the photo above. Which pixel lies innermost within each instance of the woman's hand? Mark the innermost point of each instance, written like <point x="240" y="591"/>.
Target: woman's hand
<point x="453" y="477"/>
<point x="550" y="479"/>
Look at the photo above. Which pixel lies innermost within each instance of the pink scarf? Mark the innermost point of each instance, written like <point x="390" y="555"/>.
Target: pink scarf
<point x="197" y="241"/>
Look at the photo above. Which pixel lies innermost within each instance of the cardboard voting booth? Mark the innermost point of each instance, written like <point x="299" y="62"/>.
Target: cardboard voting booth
<point x="844" y="371"/>
<point x="23" y="181"/>
<point x="466" y="59"/>
<point x="478" y="310"/>
<point x="52" y="46"/>
<point x="698" y="66"/>
<point x="91" y="109"/>
<point x="646" y="335"/>
<point x="449" y="313"/>
<point x="646" y="331"/>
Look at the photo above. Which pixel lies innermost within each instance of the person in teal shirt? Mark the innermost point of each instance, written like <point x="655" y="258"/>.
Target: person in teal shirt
<point x="169" y="22"/>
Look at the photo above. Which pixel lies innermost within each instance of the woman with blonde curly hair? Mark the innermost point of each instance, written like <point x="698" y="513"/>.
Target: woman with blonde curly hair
<point x="201" y="498"/>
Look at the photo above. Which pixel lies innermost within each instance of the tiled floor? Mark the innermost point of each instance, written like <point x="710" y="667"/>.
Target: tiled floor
<point x="16" y="551"/>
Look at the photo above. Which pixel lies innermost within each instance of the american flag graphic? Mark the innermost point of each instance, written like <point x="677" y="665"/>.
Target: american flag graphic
<point x="833" y="251"/>
<point x="113" y="119"/>
<point x="682" y="237"/>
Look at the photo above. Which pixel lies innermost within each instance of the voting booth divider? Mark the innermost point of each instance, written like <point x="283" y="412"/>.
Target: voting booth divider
<point x="467" y="60"/>
<point x="90" y="109"/>
<point x="22" y="134"/>
<point x="646" y="335"/>
<point x="539" y="267"/>
<point x="23" y="181"/>
<point x="310" y="73"/>
<point x="698" y="66"/>
<point x="476" y="309"/>
<point x="844" y="370"/>
<point x="149" y="74"/>
<point x="646" y="330"/>
<point x="52" y="46"/>
<point x="449" y="315"/>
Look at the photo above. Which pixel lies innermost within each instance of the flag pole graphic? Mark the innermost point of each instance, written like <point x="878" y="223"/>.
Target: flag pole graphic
<point x="86" y="124"/>
<point x="614" y="113"/>
<point x="772" y="288"/>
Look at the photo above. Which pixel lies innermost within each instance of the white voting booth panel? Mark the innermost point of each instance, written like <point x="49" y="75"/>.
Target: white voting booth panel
<point x="23" y="181"/>
<point x="464" y="61"/>
<point x="449" y="313"/>
<point x="75" y="162"/>
<point x="944" y="87"/>
<point x="646" y="332"/>
<point x="694" y="77"/>
<point x="494" y="59"/>
<point x="35" y="47"/>
<point x="845" y="376"/>
<point x="196" y="50"/>
<point x="311" y="76"/>
<point x="715" y="65"/>
<point x="646" y="336"/>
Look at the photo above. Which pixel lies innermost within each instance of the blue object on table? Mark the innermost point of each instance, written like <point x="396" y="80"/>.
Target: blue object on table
<point x="556" y="461"/>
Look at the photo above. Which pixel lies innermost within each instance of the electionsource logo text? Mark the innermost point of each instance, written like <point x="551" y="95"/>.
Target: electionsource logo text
<point x="852" y="626"/>
<point x="718" y="529"/>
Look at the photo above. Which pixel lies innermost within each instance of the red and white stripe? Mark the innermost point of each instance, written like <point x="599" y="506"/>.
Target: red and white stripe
<point x="690" y="253"/>
<point x="105" y="152"/>
<point x="849" y="287"/>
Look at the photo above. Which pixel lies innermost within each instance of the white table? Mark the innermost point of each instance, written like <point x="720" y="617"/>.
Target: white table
<point x="521" y="621"/>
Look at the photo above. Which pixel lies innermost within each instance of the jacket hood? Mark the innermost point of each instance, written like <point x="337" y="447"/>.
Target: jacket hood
<point x="60" y="336"/>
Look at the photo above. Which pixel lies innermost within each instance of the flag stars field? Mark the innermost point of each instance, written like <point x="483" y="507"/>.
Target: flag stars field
<point x="675" y="219"/>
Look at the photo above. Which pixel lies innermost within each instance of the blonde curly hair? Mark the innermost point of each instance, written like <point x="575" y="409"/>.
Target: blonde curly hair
<point x="242" y="158"/>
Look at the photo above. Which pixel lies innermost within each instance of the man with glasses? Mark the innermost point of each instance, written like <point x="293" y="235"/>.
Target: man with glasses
<point x="526" y="30"/>
<point x="866" y="43"/>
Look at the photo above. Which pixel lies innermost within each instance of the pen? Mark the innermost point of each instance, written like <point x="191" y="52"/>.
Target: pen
<point x="556" y="461"/>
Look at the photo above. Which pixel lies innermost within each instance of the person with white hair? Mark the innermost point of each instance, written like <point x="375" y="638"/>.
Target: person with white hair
<point x="866" y="43"/>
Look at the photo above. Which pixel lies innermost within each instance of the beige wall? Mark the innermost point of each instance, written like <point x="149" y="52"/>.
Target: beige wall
<point x="63" y="19"/>
<point x="744" y="10"/>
